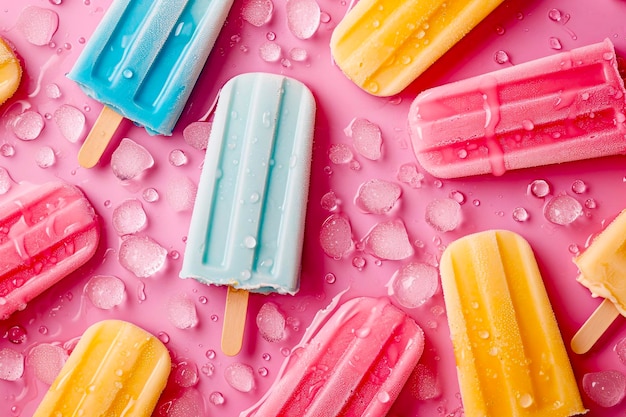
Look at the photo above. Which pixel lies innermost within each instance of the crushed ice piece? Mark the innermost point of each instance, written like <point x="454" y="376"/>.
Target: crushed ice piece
<point x="377" y="196"/>
<point x="620" y="349"/>
<point x="11" y="364"/>
<point x="501" y="57"/>
<point x="7" y="150"/>
<point x="53" y="91"/>
<point x="186" y="374"/>
<point x="105" y="291"/>
<point x="130" y="159"/>
<point x="555" y="43"/>
<point x="340" y="154"/>
<point x="520" y="214"/>
<point x="28" y="125"/>
<point x="71" y="122"/>
<point x="298" y="54"/>
<point x="142" y="256"/>
<point x="329" y="201"/>
<point x="197" y="134"/>
<point x="38" y="25"/>
<point x="270" y="52"/>
<point x="45" y="157"/>
<point x="217" y="398"/>
<point x="389" y="240"/>
<point x="443" y="214"/>
<point x="189" y="403"/>
<point x="336" y="236"/>
<point x="303" y="17"/>
<point x="240" y="376"/>
<point x="539" y="188"/>
<point x="180" y="193"/>
<point x="409" y="174"/>
<point x="178" y="158"/>
<point x="605" y="388"/>
<point x="426" y="386"/>
<point x="129" y="217"/>
<point x="271" y="322"/>
<point x="367" y="138"/>
<point x="151" y="195"/>
<point x="6" y="182"/>
<point x="46" y="361"/>
<point x="181" y="312"/>
<point x="414" y="284"/>
<point x="257" y="12"/>
<point x="563" y="210"/>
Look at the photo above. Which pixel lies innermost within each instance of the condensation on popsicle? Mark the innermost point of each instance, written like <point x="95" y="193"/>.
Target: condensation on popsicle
<point x="247" y="224"/>
<point x="46" y="232"/>
<point x="511" y="360"/>
<point x="601" y="269"/>
<point x="116" y="369"/>
<point x="561" y="108"/>
<point x="382" y="46"/>
<point x="10" y="72"/>
<point x="142" y="63"/>
<point x="353" y="363"/>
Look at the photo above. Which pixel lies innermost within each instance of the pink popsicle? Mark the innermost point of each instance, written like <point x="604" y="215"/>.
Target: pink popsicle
<point x="354" y="365"/>
<point x="561" y="108"/>
<point x="46" y="232"/>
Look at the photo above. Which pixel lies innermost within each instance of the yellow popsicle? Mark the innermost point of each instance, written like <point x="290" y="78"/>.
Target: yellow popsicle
<point x="10" y="72"/>
<point x="383" y="45"/>
<point x="510" y="356"/>
<point x="117" y="369"/>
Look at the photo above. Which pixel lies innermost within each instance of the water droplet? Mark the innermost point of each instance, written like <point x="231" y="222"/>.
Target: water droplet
<point x="520" y="214"/>
<point x="128" y="73"/>
<point x="216" y="398"/>
<point x="16" y="334"/>
<point x="579" y="186"/>
<point x="563" y="210"/>
<point x="330" y="278"/>
<point x="555" y="15"/>
<point x="178" y="158"/>
<point x="539" y="188"/>
<point x="358" y="262"/>
<point x="150" y="195"/>
<point x="28" y="125"/>
<point x="555" y="43"/>
<point x="501" y="57"/>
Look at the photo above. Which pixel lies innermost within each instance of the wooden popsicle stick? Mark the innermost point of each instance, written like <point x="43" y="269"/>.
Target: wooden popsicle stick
<point x="234" y="321"/>
<point x="594" y="327"/>
<point x="99" y="137"/>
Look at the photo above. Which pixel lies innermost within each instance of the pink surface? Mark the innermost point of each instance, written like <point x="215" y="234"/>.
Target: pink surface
<point x="522" y="29"/>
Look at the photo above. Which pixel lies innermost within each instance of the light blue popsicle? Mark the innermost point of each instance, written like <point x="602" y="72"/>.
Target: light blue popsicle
<point x="247" y="225"/>
<point x="145" y="57"/>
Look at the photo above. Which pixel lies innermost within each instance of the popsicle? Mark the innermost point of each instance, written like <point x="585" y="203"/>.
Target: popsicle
<point x="602" y="270"/>
<point x="10" y="72"/>
<point x="247" y="224"/>
<point x="354" y="364"/>
<point x="511" y="360"/>
<point x="560" y="108"/>
<point x="142" y="63"/>
<point x="46" y="232"/>
<point x="116" y="369"/>
<point x="382" y="46"/>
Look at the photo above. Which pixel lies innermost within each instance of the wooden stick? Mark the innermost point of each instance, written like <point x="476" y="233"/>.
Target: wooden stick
<point x="99" y="137"/>
<point x="594" y="327"/>
<point x="234" y="321"/>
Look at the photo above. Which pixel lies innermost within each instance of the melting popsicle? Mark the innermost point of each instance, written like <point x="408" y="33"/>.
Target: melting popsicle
<point x="46" y="232"/>
<point x="511" y="360"/>
<point x="10" y="72"/>
<point x="354" y="364"/>
<point x="247" y="224"/>
<point x="601" y="268"/>
<point x="382" y="46"/>
<point x="560" y="108"/>
<point x="116" y="369"/>
<point x="142" y="63"/>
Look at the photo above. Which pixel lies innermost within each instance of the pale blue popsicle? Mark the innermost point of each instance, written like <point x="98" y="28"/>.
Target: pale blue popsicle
<point x="247" y="225"/>
<point x="145" y="57"/>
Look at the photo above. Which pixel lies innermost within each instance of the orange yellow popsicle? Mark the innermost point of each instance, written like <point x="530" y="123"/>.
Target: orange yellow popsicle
<point x="117" y="369"/>
<point x="10" y="72"/>
<point x="510" y="356"/>
<point x="382" y="45"/>
<point x="602" y="269"/>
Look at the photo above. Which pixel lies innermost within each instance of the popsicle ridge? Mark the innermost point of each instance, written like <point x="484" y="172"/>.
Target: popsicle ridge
<point x="46" y="232"/>
<point x="383" y="46"/>
<point x="354" y="365"/>
<point x="565" y="107"/>
<point x="510" y="357"/>
<point x="117" y="369"/>
<point x="249" y="225"/>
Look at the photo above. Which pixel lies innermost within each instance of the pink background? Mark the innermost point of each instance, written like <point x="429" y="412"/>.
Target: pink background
<point x="519" y="27"/>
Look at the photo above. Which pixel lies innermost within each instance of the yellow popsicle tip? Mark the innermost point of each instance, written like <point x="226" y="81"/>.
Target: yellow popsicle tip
<point x="10" y="72"/>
